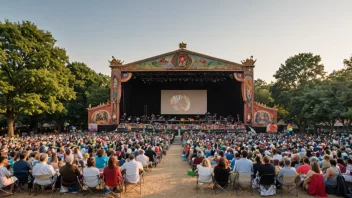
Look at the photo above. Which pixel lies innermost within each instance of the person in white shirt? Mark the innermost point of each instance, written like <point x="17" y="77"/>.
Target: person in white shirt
<point x="42" y="168"/>
<point x="205" y="171"/>
<point x="276" y="155"/>
<point x="142" y="158"/>
<point x="5" y="174"/>
<point x="132" y="168"/>
<point x="91" y="173"/>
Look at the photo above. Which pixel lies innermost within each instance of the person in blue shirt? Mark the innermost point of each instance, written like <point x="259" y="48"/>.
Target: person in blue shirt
<point x="22" y="169"/>
<point x="101" y="160"/>
<point x="232" y="165"/>
<point x="229" y="155"/>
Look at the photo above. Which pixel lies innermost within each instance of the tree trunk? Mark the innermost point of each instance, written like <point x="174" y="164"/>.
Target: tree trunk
<point x="10" y="125"/>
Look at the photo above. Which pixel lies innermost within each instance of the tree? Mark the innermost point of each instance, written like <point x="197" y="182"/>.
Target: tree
<point x="90" y="88"/>
<point x="33" y="76"/>
<point x="262" y="92"/>
<point x="299" y="73"/>
<point x="348" y="63"/>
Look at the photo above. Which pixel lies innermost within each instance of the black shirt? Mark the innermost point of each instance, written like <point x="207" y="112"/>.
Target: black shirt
<point x="150" y="153"/>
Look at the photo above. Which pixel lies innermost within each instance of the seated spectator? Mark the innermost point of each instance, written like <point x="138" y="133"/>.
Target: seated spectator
<point x="69" y="173"/>
<point x="132" y="169"/>
<point x="21" y="168"/>
<point x="5" y="175"/>
<point x="244" y="165"/>
<point x="326" y="163"/>
<point x="222" y="172"/>
<point x="36" y="159"/>
<point x="314" y="169"/>
<point x="287" y="170"/>
<point x="142" y="158"/>
<point x="55" y="161"/>
<point x="331" y="174"/>
<point x="197" y="160"/>
<point x="101" y="159"/>
<point x="341" y="165"/>
<point x="151" y="154"/>
<point x="276" y="155"/>
<point x="112" y="173"/>
<point x="205" y="171"/>
<point x="256" y="165"/>
<point x="229" y="154"/>
<point x="266" y="169"/>
<point x="91" y="173"/>
<point x="77" y="154"/>
<point x="42" y="168"/>
<point x="303" y="170"/>
<point x="233" y="161"/>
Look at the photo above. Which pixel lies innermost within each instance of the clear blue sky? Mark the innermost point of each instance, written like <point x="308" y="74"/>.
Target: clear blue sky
<point x="272" y="31"/>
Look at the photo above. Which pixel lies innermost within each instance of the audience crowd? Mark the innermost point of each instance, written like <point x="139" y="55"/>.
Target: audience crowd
<point x="225" y="156"/>
<point x="70" y="161"/>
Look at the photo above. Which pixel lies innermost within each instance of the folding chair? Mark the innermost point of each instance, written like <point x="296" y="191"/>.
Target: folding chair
<point x="226" y="184"/>
<point x="289" y="183"/>
<point x="243" y="182"/>
<point x="88" y="180"/>
<point x="8" y="191"/>
<point x="23" y="179"/>
<point x="267" y="185"/>
<point x="68" y="185"/>
<point x="135" y="185"/>
<point x="119" y="186"/>
<point x="40" y="187"/>
<point x="198" y="183"/>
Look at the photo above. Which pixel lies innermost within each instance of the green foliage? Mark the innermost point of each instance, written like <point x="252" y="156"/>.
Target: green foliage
<point x="33" y="76"/>
<point x="262" y="92"/>
<point x="91" y="88"/>
<point x="299" y="73"/>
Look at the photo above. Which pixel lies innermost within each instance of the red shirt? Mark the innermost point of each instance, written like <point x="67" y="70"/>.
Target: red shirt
<point x="303" y="169"/>
<point x="112" y="176"/>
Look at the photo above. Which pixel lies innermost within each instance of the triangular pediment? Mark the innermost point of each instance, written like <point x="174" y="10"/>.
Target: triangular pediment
<point x="181" y="59"/>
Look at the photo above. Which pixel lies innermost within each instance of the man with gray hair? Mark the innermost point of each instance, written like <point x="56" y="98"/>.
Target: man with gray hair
<point x="42" y="168"/>
<point x="142" y="158"/>
<point x="287" y="170"/>
<point x="69" y="173"/>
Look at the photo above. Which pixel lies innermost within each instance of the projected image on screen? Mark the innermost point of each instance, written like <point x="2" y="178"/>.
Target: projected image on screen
<point x="183" y="101"/>
<point x="180" y="103"/>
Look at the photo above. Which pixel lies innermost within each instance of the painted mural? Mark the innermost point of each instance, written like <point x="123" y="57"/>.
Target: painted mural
<point x="262" y="118"/>
<point x="114" y="97"/>
<point x="248" y="88"/>
<point x="182" y="60"/>
<point x="100" y="117"/>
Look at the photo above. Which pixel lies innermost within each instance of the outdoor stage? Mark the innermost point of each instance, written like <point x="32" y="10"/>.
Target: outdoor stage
<point x="181" y="89"/>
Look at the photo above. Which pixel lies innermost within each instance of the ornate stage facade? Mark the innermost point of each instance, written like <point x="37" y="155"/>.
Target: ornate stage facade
<point x="136" y="93"/>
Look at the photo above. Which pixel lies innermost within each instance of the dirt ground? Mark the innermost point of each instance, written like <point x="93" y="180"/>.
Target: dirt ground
<point x="169" y="180"/>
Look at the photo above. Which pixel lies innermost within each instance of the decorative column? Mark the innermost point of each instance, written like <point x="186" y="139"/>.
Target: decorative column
<point x="115" y="90"/>
<point x="248" y="90"/>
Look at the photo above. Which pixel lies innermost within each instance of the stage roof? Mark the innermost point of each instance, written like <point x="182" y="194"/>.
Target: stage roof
<point x="180" y="60"/>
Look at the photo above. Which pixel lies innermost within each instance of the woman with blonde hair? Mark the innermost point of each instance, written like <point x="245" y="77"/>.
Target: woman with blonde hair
<point x="326" y="163"/>
<point x="205" y="171"/>
<point x="36" y="159"/>
<point x="55" y="161"/>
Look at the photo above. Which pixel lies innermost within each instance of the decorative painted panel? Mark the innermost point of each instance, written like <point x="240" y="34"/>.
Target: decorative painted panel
<point x="100" y="117"/>
<point x="182" y="60"/>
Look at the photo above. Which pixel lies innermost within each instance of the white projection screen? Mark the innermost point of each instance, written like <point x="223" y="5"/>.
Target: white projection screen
<point x="183" y="101"/>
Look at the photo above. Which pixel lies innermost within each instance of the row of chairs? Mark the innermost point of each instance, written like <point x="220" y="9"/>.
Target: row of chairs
<point x="245" y="183"/>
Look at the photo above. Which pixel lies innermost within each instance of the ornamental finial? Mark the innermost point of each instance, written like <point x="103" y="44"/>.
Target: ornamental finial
<point x="115" y="62"/>
<point x="249" y="61"/>
<point x="183" y="45"/>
